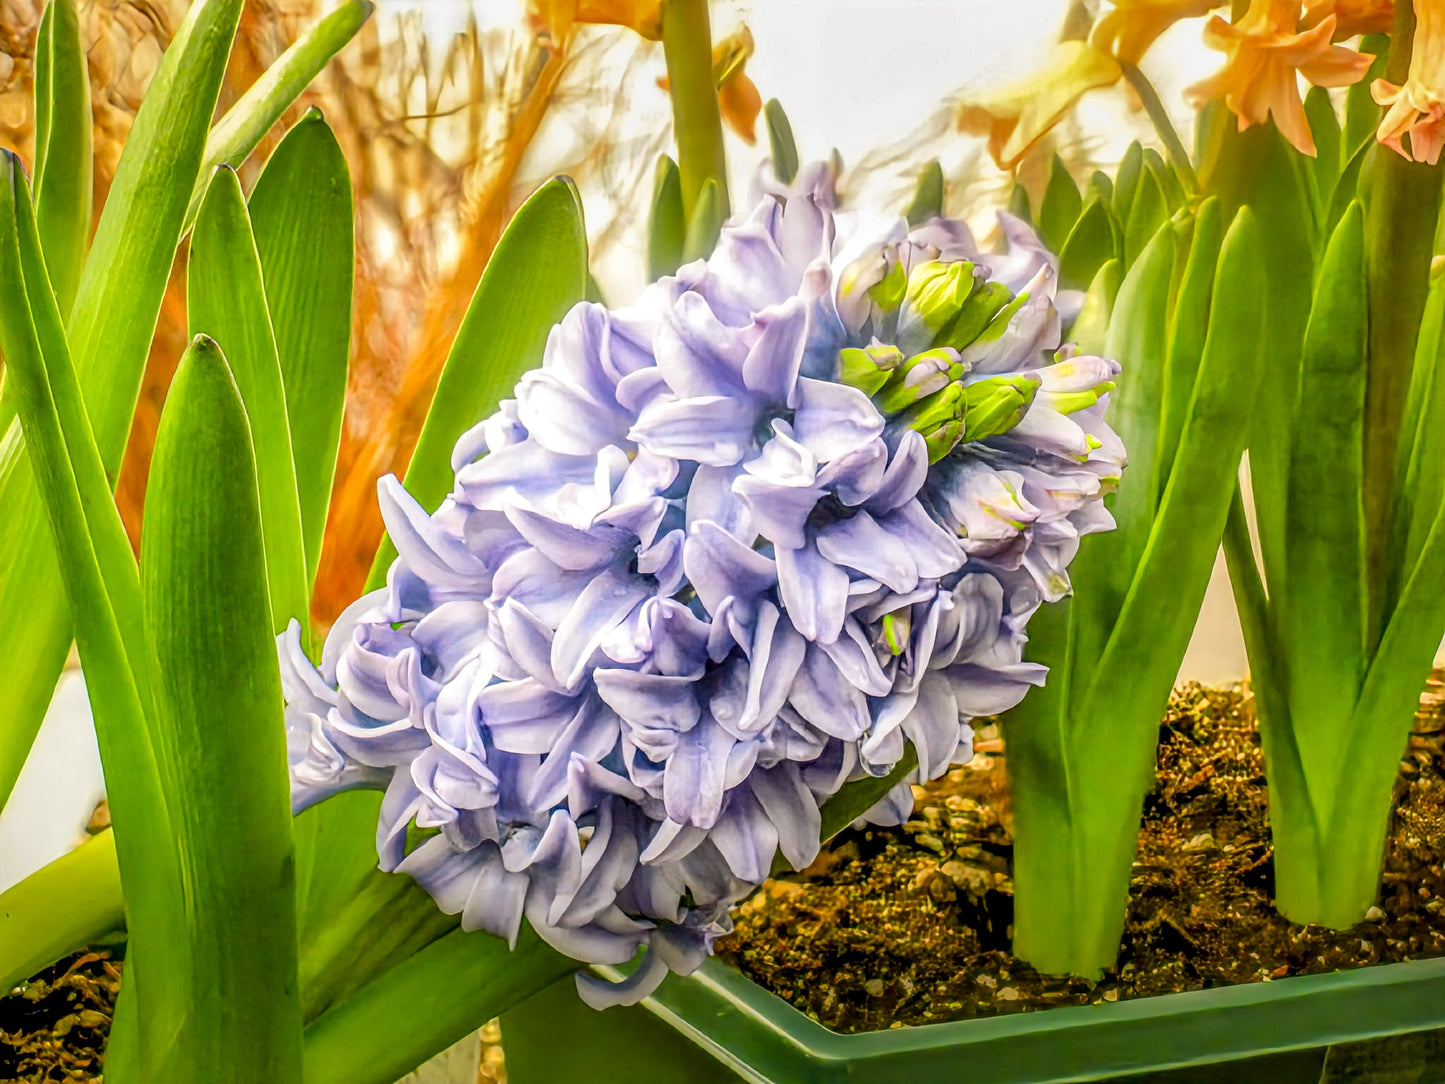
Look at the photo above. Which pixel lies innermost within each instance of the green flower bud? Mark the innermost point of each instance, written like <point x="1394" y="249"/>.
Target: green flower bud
<point x="937" y="290"/>
<point x="998" y="322"/>
<point x="897" y="628"/>
<point x="869" y="368"/>
<point x="943" y="440"/>
<point x="1070" y="402"/>
<point x="920" y="376"/>
<point x="985" y="303"/>
<point x="996" y="405"/>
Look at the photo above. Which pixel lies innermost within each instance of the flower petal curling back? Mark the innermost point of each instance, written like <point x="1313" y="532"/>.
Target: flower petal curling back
<point x="724" y="552"/>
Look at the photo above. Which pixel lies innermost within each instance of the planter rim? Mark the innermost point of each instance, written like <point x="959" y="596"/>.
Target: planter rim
<point x="763" y="1038"/>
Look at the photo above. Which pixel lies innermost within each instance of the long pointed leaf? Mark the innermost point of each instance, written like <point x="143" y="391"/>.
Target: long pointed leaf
<point x="64" y="164"/>
<point x="301" y="214"/>
<point x="1322" y="624"/>
<point x="219" y="724"/>
<point x="138" y="806"/>
<point x="1060" y="207"/>
<point x="666" y="229"/>
<point x="537" y="273"/>
<point x="110" y="330"/>
<point x="227" y="302"/>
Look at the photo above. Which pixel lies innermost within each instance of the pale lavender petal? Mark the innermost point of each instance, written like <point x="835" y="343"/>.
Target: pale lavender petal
<point x="814" y="592"/>
<point x="834" y="419"/>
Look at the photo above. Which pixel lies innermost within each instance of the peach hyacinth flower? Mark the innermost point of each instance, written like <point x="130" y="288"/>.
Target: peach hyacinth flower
<point x="1015" y="117"/>
<point x="1131" y="26"/>
<point x="1266" y="57"/>
<point x="1418" y="107"/>
<point x="1352" y="17"/>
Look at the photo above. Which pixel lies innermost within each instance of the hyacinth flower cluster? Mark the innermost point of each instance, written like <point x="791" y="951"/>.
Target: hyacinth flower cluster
<point x="724" y="552"/>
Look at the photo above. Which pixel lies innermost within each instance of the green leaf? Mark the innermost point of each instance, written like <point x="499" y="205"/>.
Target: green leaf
<point x="301" y="214"/>
<point x="63" y="160"/>
<point x="1126" y="181"/>
<point x="1149" y="639"/>
<point x="1147" y="212"/>
<point x="61" y="907"/>
<point x="237" y="133"/>
<point x="426" y="1003"/>
<point x="1422" y="483"/>
<point x="1090" y="244"/>
<point x="1102" y="186"/>
<point x="1324" y="169"/>
<point x="1322" y="622"/>
<point x="1091" y="327"/>
<point x="119" y="297"/>
<point x="226" y="301"/>
<point x="780" y="142"/>
<point x="1166" y="178"/>
<point x="68" y="477"/>
<point x="705" y="225"/>
<point x="927" y="202"/>
<point x="537" y="273"/>
<point x="1060" y="207"/>
<point x="228" y="778"/>
<point x="1188" y="324"/>
<point x="1362" y="115"/>
<point x="1018" y="203"/>
<point x="665" y="227"/>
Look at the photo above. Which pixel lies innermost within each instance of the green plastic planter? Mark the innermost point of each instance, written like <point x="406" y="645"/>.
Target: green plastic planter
<point x="1382" y="1024"/>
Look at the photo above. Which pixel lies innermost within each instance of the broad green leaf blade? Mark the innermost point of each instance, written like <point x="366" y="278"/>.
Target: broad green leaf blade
<point x="1060" y="207"/>
<point x="226" y="301"/>
<point x="666" y="230"/>
<point x="137" y="803"/>
<point x="1150" y="637"/>
<point x="705" y="225"/>
<point x="1091" y="326"/>
<point x="110" y="329"/>
<point x="1090" y="244"/>
<point x="237" y="133"/>
<point x="1126" y="181"/>
<point x="63" y="160"/>
<point x="301" y="214"/>
<point x="1188" y="324"/>
<point x="425" y="1004"/>
<point x="537" y="273"/>
<point x="1322" y="624"/>
<point x="1147" y="212"/>
<point x="1136" y="339"/>
<point x="927" y="202"/>
<point x="61" y="907"/>
<point x="204" y="557"/>
<point x="780" y="142"/>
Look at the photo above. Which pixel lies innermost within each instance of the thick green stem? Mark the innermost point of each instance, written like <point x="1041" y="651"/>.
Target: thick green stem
<point x="696" y="122"/>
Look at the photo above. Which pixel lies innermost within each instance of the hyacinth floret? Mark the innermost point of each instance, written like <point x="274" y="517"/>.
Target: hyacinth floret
<point x="724" y="552"/>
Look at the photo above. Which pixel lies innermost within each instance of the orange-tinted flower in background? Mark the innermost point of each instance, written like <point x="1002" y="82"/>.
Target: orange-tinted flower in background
<point x="738" y="99"/>
<point x="1418" y="107"/>
<point x="1351" y="16"/>
<point x="556" y="17"/>
<point x="1266" y="57"/>
<point x="1131" y="26"/>
<point x="1016" y="117"/>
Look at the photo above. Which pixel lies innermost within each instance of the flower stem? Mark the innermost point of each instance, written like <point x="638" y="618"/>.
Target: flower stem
<point x="1163" y="125"/>
<point x="696" y="122"/>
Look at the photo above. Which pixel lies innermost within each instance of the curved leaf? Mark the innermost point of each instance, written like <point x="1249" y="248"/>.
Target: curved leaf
<point x="227" y="771"/>
<point x="1060" y="207"/>
<point x="301" y="214"/>
<point x="927" y="199"/>
<point x="63" y="160"/>
<point x="227" y="302"/>
<point x="537" y="273"/>
<point x="780" y="142"/>
<point x="665" y="227"/>
<point x="705" y="225"/>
